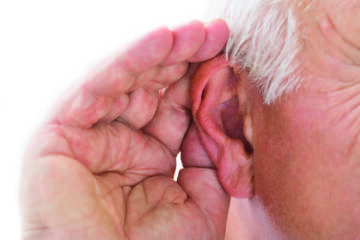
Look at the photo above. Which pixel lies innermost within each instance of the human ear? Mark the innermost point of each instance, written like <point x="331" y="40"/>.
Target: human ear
<point x="219" y="109"/>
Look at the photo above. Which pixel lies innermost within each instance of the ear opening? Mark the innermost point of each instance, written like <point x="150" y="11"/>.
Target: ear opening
<point x="234" y="124"/>
<point x="219" y="112"/>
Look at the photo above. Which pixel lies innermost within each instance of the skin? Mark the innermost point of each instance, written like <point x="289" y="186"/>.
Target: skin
<point x="307" y="145"/>
<point x="89" y="176"/>
<point x="101" y="166"/>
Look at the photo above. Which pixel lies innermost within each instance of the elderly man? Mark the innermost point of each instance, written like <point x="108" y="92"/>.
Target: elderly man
<point x="274" y="122"/>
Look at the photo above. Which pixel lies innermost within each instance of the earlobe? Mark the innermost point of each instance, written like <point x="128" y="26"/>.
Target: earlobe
<point x="219" y="111"/>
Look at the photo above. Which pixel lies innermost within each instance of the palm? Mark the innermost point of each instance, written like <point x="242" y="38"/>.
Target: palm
<point x="102" y="166"/>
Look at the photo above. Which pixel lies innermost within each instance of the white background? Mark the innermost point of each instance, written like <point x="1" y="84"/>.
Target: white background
<point x="47" y="45"/>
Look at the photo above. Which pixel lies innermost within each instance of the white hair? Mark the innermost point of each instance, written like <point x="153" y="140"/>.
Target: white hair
<point x="265" y="40"/>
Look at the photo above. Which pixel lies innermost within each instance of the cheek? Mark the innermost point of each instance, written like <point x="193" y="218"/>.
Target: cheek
<point x="301" y="174"/>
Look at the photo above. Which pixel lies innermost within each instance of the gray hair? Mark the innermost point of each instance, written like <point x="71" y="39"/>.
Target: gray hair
<point x="266" y="40"/>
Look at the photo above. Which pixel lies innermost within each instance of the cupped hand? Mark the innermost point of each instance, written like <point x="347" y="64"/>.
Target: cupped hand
<point x="102" y="165"/>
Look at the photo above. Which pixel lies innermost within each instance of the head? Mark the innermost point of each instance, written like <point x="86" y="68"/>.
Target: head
<point x="279" y="113"/>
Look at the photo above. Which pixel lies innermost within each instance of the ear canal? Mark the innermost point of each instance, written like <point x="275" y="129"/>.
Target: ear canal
<point x="218" y="116"/>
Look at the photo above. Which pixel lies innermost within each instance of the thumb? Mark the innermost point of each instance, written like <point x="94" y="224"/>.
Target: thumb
<point x="205" y="191"/>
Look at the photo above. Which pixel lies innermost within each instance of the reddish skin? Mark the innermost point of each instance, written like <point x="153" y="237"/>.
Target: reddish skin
<point x="306" y="146"/>
<point x="87" y="175"/>
<point x="214" y="122"/>
<point x="308" y="168"/>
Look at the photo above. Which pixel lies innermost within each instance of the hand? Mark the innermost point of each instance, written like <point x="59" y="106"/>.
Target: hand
<point x="101" y="167"/>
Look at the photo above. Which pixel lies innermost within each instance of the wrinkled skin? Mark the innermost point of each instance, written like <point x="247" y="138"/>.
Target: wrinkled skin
<point x="307" y="145"/>
<point x="101" y="166"/>
<point x="89" y="176"/>
<point x="308" y="169"/>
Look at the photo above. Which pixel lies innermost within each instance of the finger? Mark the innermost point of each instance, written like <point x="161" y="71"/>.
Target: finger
<point x="217" y="34"/>
<point x="144" y="101"/>
<point x="141" y="108"/>
<point x="133" y="68"/>
<point x="173" y="115"/>
<point x="187" y="41"/>
<point x="119" y="104"/>
<point x="168" y="75"/>
<point x="93" y="99"/>
<point x="204" y="190"/>
<point x="109" y="148"/>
